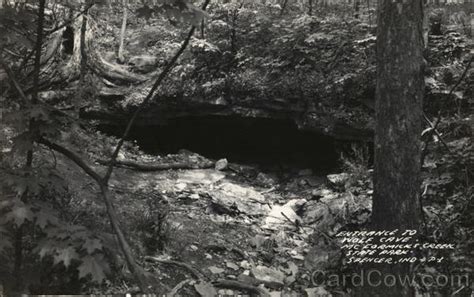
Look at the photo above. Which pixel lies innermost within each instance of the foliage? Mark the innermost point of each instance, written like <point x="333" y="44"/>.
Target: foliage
<point x="174" y="10"/>
<point x="32" y="205"/>
<point x="356" y="162"/>
<point x="153" y="225"/>
<point x="245" y="52"/>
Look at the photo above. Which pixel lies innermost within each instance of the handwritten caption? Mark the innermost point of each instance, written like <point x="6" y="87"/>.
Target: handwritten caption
<point x="389" y="247"/>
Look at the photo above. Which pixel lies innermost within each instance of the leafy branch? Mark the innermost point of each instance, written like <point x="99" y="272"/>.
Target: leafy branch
<point x="103" y="182"/>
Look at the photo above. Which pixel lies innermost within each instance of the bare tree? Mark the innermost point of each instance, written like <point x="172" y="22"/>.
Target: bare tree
<point x="123" y="30"/>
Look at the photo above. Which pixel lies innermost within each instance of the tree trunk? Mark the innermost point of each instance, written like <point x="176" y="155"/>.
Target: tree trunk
<point x="116" y="73"/>
<point x="120" y="56"/>
<point x="283" y="7"/>
<point x="369" y="13"/>
<point x="136" y="270"/>
<point x="83" y="49"/>
<point x="18" y="262"/>
<point x="356" y="8"/>
<point x="399" y="96"/>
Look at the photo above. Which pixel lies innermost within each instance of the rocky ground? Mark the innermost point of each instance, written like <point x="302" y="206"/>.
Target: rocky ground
<point x="230" y="224"/>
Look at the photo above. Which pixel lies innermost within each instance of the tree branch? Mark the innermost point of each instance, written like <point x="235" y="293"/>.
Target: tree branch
<point x="158" y="167"/>
<point x="468" y="66"/>
<point x="74" y="157"/>
<point x="434" y="126"/>
<point x="155" y="86"/>
<point x="12" y="78"/>
<point x="68" y="22"/>
<point x="39" y="44"/>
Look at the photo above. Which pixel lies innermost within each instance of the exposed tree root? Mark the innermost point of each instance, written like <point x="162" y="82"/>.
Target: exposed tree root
<point x="68" y="70"/>
<point x="116" y="73"/>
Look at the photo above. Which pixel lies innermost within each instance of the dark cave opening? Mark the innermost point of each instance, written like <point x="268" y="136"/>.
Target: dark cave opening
<point x="270" y="143"/>
<point x="68" y="40"/>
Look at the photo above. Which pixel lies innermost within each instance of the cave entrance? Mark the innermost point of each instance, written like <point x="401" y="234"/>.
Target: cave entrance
<point x="256" y="141"/>
<point x="68" y="40"/>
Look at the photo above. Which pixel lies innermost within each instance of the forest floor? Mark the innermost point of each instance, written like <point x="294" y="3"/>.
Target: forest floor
<point x="238" y="223"/>
<point x="241" y="228"/>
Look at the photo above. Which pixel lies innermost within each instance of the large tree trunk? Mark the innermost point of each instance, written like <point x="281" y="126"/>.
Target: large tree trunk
<point x="85" y="52"/>
<point x="399" y="96"/>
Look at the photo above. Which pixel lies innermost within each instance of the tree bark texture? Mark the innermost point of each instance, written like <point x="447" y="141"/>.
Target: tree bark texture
<point x="399" y="95"/>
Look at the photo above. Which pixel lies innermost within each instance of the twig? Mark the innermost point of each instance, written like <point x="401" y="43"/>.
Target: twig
<point x="297" y="225"/>
<point x="12" y="53"/>
<point x="198" y="274"/>
<point x="433" y="127"/>
<point x="67" y="22"/>
<point x="268" y="191"/>
<point x="468" y="66"/>
<point x="178" y="287"/>
<point x="72" y="156"/>
<point x="236" y="285"/>
<point x="434" y="130"/>
<point x="12" y="78"/>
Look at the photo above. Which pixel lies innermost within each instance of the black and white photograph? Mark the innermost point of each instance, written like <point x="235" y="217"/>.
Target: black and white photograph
<point x="276" y="148"/>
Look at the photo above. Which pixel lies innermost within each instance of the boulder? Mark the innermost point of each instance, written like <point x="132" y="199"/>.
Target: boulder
<point x="245" y="199"/>
<point x="270" y="277"/>
<point x="221" y="164"/>
<point x="284" y="216"/>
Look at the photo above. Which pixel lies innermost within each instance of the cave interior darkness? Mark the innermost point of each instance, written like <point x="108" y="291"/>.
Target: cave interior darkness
<point x="268" y="143"/>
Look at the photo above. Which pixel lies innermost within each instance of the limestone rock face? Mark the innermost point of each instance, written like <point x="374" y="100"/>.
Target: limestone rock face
<point x="110" y="109"/>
